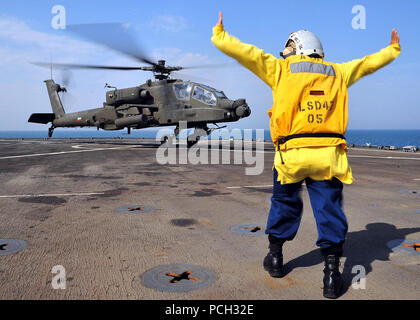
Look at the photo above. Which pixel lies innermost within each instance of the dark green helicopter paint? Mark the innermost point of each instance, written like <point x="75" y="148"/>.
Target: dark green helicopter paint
<point x="163" y="102"/>
<point x="152" y="104"/>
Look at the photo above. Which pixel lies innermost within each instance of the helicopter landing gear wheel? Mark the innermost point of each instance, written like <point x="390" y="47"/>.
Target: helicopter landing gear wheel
<point x="169" y="138"/>
<point x="166" y="139"/>
<point x="192" y="142"/>
<point x="176" y="131"/>
<point x="50" y="131"/>
<point x="196" y="135"/>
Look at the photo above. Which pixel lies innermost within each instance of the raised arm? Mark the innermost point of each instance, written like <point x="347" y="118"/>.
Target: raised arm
<point x="354" y="70"/>
<point x="264" y="65"/>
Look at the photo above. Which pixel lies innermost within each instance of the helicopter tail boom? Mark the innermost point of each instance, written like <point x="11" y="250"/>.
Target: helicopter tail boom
<point x="56" y="105"/>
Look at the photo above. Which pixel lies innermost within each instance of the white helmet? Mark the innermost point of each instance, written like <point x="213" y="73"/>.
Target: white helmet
<point x="306" y="43"/>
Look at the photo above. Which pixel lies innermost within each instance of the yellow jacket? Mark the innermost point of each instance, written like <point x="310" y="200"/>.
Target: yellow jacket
<point x="306" y="102"/>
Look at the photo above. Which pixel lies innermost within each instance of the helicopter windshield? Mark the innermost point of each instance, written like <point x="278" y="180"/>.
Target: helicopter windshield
<point x="204" y="95"/>
<point x="182" y="90"/>
<point x="218" y="93"/>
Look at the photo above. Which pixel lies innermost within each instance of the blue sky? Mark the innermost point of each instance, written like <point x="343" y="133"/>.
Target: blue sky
<point x="180" y="31"/>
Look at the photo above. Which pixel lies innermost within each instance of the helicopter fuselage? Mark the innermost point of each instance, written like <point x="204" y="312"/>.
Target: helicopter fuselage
<point x="164" y="102"/>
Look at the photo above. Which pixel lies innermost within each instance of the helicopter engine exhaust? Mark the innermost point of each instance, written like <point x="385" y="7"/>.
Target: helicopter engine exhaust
<point x="129" y="95"/>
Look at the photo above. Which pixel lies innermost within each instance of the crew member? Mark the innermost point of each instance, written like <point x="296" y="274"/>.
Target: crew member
<point x="308" y="121"/>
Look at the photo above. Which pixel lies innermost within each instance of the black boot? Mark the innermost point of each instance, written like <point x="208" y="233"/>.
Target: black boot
<point x="273" y="262"/>
<point x="333" y="281"/>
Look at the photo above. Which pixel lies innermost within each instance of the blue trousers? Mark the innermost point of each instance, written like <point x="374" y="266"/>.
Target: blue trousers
<point x="326" y="201"/>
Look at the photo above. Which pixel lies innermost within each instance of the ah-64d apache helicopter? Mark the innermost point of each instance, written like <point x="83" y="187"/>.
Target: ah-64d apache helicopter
<point x="163" y="102"/>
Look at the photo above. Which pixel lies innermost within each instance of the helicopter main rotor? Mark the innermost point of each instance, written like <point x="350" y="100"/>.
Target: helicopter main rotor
<point x="119" y="37"/>
<point x="160" y="70"/>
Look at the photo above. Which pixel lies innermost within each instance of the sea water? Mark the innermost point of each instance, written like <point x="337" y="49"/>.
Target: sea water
<point x="397" y="138"/>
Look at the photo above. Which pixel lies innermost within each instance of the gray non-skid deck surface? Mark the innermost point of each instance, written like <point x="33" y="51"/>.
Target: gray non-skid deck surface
<point x="104" y="252"/>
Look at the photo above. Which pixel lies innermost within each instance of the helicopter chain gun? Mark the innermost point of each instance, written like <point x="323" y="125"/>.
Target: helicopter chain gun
<point x="162" y="102"/>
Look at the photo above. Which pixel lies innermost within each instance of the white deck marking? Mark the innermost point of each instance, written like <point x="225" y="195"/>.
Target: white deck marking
<point x="379" y="150"/>
<point x="80" y="148"/>
<point x="376" y="157"/>
<point x="51" y="195"/>
<point x="65" y="152"/>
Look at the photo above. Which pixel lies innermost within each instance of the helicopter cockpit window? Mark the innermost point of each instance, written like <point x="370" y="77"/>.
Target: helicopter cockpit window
<point x="182" y="90"/>
<point x="204" y="95"/>
<point x="218" y="93"/>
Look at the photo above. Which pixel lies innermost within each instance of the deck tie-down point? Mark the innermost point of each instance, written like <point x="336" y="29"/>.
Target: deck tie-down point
<point x="9" y="246"/>
<point x="249" y="229"/>
<point x="257" y="228"/>
<point x="415" y="246"/>
<point x="178" y="278"/>
<point x="186" y="275"/>
<point x="410" y="192"/>
<point x="411" y="247"/>
<point x="135" y="209"/>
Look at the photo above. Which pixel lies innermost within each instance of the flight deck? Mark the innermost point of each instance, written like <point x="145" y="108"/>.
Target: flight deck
<point x="116" y="224"/>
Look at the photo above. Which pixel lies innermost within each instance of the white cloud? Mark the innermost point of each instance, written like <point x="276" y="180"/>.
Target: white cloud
<point x="23" y="87"/>
<point x="18" y="33"/>
<point x="169" y="23"/>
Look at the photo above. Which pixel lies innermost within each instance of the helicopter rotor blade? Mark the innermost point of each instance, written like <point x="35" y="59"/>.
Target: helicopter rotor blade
<point x="84" y="66"/>
<point x="213" y="66"/>
<point x="116" y="36"/>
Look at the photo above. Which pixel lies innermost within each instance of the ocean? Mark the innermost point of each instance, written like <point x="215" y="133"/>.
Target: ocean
<point x="397" y="138"/>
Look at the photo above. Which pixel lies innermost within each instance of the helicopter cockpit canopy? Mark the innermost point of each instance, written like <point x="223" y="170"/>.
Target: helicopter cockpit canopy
<point x="201" y="92"/>
<point x="183" y="90"/>
<point x="218" y="93"/>
<point x="204" y="95"/>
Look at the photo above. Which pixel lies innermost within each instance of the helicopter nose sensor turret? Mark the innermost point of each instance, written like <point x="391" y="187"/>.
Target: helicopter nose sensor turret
<point x="241" y="108"/>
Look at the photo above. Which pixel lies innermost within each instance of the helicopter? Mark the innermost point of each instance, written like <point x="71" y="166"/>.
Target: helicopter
<point x="160" y="102"/>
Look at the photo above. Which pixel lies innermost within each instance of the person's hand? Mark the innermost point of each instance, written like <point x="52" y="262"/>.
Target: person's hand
<point x="394" y="37"/>
<point x="220" y="22"/>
